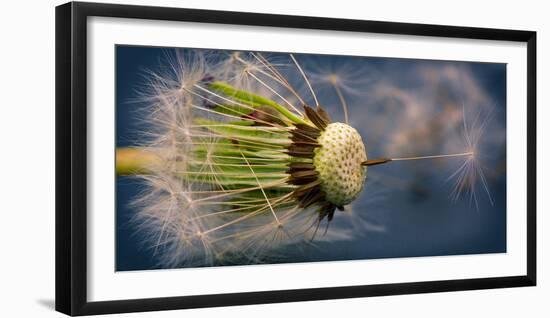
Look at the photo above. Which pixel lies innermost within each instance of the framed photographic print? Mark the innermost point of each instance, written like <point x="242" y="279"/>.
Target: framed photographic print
<point x="209" y="158"/>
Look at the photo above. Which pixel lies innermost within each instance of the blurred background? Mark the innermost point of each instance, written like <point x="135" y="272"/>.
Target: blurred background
<point x="402" y="108"/>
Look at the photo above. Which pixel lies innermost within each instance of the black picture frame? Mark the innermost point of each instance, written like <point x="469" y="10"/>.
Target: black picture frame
<point x="71" y="157"/>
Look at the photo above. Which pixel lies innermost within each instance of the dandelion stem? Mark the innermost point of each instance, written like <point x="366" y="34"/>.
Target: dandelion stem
<point x="132" y="161"/>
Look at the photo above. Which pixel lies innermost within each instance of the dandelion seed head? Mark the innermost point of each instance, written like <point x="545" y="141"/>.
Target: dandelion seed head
<point x="338" y="161"/>
<point x="222" y="190"/>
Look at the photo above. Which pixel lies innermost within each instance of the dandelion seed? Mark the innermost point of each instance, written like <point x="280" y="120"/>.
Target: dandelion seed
<point x="471" y="173"/>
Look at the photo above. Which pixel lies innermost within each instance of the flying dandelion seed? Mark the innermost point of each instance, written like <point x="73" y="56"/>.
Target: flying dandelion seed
<point x="471" y="173"/>
<point x="239" y="164"/>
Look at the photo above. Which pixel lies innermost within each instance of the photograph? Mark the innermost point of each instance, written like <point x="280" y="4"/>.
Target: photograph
<point x="252" y="158"/>
<point x="280" y="159"/>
